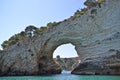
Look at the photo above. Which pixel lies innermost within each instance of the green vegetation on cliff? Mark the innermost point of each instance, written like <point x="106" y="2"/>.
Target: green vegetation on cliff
<point x="12" y="40"/>
<point x="22" y="35"/>
<point x="78" y="13"/>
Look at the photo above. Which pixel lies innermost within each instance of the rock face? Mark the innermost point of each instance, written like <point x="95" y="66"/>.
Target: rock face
<point x="99" y="66"/>
<point x="68" y="64"/>
<point x="95" y="35"/>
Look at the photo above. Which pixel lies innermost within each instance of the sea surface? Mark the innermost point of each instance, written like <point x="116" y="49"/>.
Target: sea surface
<point x="64" y="76"/>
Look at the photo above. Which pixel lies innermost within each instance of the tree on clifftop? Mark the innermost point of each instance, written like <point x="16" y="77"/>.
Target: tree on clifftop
<point x="4" y="44"/>
<point x="30" y="30"/>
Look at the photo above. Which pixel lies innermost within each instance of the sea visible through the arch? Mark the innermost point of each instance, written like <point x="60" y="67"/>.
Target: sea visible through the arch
<point x="66" y="75"/>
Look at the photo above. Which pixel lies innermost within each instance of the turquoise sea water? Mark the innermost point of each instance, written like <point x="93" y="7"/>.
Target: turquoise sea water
<point x="63" y="76"/>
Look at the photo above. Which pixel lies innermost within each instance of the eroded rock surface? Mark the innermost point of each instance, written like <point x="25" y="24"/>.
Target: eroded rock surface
<point x="95" y="35"/>
<point x="68" y="64"/>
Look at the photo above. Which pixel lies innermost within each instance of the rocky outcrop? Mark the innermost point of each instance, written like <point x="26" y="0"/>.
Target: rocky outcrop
<point x="99" y="66"/>
<point x="68" y="64"/>
<point x="95" y="35"/>
<point x="104" y="51"/>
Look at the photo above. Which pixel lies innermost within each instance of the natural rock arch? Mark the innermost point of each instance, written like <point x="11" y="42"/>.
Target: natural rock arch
<point x="96" y="38"/>
<point x="66" y="56"/>
<point x="50" y="48"/>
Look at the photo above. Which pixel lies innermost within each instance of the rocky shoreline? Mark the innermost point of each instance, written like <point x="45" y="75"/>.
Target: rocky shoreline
<point x="100" y="66"/>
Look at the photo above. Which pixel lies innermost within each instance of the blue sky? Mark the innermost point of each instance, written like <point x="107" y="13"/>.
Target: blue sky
<point x="15" y="15"/>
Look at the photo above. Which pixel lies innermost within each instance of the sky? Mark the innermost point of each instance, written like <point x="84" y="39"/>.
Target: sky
<point x="15" y="15"/>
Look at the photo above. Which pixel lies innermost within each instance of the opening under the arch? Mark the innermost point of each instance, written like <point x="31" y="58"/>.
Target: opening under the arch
<point x="66" y="56"/>
<point x="65" y="51"/>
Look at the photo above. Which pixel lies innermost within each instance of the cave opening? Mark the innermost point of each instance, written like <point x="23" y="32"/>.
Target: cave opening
<point x="66" y="56"/>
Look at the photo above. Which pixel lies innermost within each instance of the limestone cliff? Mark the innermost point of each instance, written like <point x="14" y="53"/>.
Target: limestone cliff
<point x="68" y="64"/>
<point x="95" y="35"/>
